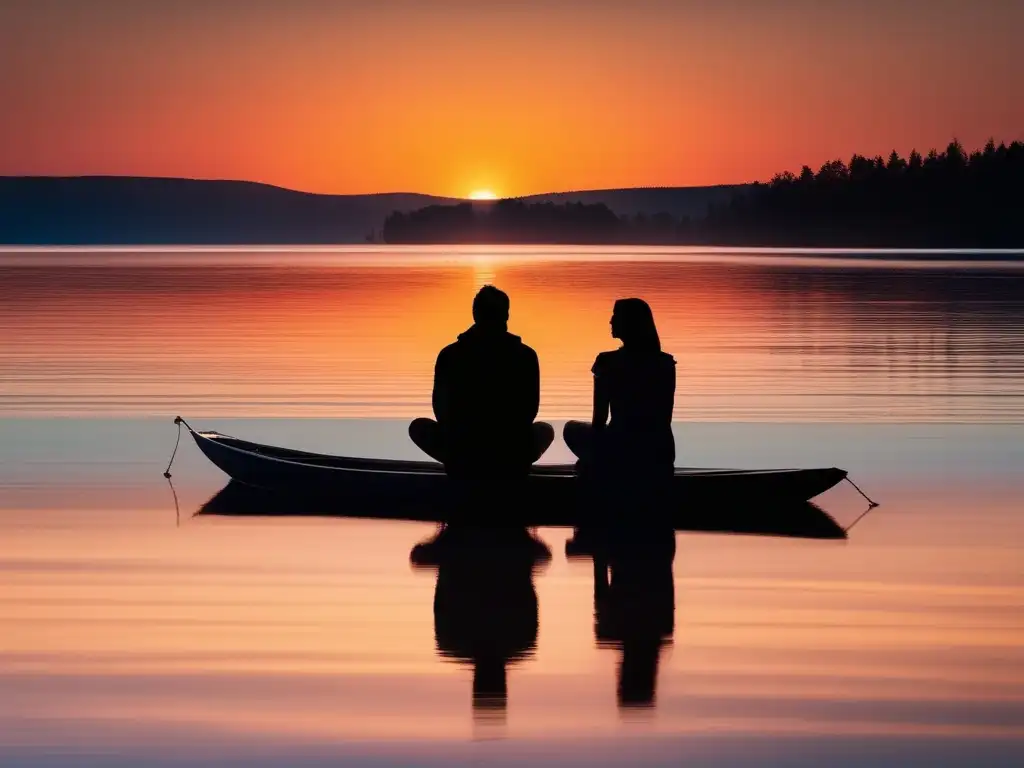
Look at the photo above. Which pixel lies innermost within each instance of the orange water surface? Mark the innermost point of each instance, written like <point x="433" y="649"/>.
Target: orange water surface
<point x="134" y="631"/>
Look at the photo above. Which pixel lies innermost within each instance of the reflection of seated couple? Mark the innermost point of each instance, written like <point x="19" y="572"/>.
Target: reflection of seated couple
<point x="486" y="610"/>
<point x="487" y="394"/>
<point x="486" y="397"/>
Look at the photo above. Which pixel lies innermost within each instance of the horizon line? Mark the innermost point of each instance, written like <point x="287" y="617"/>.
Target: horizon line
<point x="638" y="188"/>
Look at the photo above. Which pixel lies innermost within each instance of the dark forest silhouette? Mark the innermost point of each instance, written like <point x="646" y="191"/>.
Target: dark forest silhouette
<point x="943" y="199"/>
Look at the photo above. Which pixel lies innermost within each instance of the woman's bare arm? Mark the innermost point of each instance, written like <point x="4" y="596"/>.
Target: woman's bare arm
<point x="600" y="417"/>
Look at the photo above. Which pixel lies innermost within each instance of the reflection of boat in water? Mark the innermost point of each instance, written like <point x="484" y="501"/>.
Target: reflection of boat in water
<point x="485" y="605"/>
<point x="550" y="490"/>
<point x="803" y="520"/>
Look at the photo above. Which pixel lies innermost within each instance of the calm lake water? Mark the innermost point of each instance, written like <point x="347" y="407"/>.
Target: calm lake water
<point x="135" y="632"/>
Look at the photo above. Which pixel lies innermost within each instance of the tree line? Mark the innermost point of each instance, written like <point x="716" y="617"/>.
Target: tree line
<point x="943" y="199"/>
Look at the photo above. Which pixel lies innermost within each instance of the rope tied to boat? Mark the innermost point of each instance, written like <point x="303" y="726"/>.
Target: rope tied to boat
<point x="167" y="472"/>
<point x="179" y="421"/>
<point x="867" y="498"/>
<point x="871" y="505"/>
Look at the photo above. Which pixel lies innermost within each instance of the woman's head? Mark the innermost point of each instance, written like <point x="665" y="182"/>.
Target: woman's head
<point x="633" y="324"/>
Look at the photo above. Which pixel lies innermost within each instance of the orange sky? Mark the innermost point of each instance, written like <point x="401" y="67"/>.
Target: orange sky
<point x="450" y="96"/>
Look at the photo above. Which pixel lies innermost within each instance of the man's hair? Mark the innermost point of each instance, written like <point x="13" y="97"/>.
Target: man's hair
<point x="490" y="307"/>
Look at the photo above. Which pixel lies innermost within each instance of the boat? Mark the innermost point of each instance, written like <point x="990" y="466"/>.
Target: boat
<point x="420" y="488"/>
<point x="803" y="520"/>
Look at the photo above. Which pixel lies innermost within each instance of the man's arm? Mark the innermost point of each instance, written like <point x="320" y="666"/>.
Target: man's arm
<point x="532" y="399"/>
<point x="440" y="399"/>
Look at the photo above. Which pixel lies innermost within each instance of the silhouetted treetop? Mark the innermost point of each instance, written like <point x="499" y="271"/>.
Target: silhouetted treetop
<point x="948" y="198"/>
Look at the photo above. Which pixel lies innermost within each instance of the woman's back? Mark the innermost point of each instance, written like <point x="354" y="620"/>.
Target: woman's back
<point x="640" y="387"/>
<point x="640" y="390"/>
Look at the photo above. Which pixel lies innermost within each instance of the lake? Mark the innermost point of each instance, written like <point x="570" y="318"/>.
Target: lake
<point x="135" y="632"/>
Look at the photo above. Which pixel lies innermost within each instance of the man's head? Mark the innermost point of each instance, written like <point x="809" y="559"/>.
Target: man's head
<point x="490" y="308"/>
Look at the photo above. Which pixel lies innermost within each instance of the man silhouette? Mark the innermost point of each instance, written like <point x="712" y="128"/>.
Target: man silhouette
<point x="486" y="396"/>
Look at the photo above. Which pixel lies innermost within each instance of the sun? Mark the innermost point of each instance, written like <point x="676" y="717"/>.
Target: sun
<point x="482" y="194"/>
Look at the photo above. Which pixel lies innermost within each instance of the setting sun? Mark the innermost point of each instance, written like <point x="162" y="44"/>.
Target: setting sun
<point x="482" y="194"/>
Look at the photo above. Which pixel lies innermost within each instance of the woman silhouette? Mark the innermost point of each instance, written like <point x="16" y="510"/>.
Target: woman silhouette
<point x="636" y="386"/>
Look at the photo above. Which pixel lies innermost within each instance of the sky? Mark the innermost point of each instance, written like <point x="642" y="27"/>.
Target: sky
<point x="453" y="97"/>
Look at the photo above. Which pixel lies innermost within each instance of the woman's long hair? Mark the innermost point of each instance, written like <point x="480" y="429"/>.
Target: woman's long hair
<point x="635" y="325"/>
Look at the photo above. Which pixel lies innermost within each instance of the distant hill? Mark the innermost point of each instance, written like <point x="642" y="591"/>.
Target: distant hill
<point x="112" y="210"/>
<point x="129" y="210"/>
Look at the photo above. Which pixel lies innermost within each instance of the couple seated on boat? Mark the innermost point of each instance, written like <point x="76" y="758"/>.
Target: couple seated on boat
<point x="487" y="394"/>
